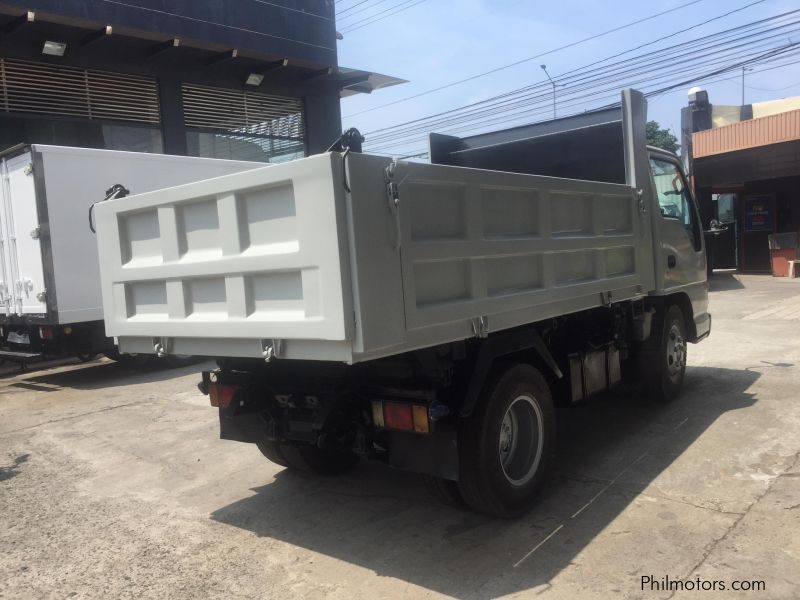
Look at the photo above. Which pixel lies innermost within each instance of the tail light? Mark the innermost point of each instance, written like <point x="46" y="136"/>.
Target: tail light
<point x="220" y="394"/>
<point x="45" y="332"/>
<point x="401" y="416"/>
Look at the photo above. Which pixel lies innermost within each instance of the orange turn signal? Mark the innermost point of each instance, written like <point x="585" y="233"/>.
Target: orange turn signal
<point x="401" y="416"/>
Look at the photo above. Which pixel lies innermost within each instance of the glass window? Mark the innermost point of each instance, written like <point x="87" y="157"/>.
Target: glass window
<point x="725" y="209"/>
<point x="82" y="134"/>
<point x="674" y="198"/>
<point x="241" y="147"/>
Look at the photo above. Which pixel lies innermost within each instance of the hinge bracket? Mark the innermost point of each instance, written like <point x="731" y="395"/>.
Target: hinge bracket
<point x="480" y="326"/>
<point x="393" y="199"/>
<point x="272" y="349"/>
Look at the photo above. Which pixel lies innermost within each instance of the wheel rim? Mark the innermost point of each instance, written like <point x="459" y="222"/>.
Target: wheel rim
<point x="676" y="351"/>
<point x="521" y="440"/>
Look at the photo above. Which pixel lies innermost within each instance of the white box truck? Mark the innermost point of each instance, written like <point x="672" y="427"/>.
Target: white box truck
<point x="50" y="300"/>
<point x="427" y="315"/>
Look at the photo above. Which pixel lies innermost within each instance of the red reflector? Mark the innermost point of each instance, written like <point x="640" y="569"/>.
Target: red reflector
<point x="398" y="416"/>
<point x="221" y="395"/>
<point x="45" y="332"/>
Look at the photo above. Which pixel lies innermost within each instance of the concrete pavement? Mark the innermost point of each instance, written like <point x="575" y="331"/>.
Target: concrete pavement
<point x="114" y="484"/>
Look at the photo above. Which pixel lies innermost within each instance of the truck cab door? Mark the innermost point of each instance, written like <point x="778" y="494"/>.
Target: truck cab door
<point x="680" y="260"/>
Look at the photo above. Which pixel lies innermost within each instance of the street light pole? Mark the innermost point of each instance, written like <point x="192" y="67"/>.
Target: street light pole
<point x="553" y="83"/>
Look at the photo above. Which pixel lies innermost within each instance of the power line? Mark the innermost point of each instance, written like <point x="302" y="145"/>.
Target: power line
<point x="402" y="6"/>
<point x="614" y="94"/>
<point x="564" y="47"/>
<point x="661" y="55"/>
<point x="656" y="72"/>
<point x="349" y="8"/>
<point x="206" y="22"/>
<point x="360" y="10"/>
<point x="593" y="93"/>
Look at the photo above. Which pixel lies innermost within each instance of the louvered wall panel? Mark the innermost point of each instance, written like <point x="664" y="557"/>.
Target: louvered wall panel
<point x="30" y="87"/>
<point x="243" y="112"/>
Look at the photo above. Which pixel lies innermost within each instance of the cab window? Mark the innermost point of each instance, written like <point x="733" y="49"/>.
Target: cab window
<point x="674" y="199"/>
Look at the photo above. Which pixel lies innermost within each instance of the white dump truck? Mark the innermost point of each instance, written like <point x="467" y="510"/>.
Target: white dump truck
<point x="426" y="315"/>
<point x="50" y="300"/>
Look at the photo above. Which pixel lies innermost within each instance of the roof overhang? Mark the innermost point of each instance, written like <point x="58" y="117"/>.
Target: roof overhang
<point x="119" y="43"/>
<point x="754" y="133"/>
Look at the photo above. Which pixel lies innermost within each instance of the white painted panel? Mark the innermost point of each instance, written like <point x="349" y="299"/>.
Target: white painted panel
<point x="338" y="276"/>
<point x="256" y="255"/>
<point x="70" y="180"/>
<point x="23" y="235"/>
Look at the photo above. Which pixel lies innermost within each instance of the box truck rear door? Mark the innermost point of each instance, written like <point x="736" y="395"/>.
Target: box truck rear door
<point x="23" y="265"/>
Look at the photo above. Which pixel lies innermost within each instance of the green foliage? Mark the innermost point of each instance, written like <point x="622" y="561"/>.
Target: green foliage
<point x="661" y="138"/>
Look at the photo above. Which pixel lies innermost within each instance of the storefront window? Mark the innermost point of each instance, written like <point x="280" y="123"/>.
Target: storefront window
<point x="83" y="134"/>
<point x="725" y="209"/>
<point x="242" y="147"/>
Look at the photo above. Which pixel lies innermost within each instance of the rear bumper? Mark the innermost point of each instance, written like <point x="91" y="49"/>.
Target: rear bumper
<point x="20" y="357"/>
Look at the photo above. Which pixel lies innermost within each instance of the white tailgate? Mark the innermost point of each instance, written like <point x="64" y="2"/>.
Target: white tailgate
<point x="254" y="256"/>
<point x="23" y="271"/>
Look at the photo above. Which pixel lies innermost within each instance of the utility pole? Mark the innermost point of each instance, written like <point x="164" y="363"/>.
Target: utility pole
<point x="743" y="70"/>
<point x="553" y="83"/>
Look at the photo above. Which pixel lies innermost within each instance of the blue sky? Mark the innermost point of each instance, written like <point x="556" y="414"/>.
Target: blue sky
<point x="440" y="41"/>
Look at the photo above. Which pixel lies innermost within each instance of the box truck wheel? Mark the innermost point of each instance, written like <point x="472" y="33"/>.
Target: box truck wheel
<point x="662" y="358"/>
<point x="506" y="444"/>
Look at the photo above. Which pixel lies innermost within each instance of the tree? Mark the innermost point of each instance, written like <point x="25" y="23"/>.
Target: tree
<point x="661" y="138"/>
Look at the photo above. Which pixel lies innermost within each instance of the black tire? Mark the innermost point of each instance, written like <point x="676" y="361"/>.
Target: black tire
<point x="662" y="357"/>
<point x="498" y="476"/>
<point x="444" y="490"/>
<point x="176" y="361"/>
<point x="272" y="451"/>
<point x="129" y="360"/>
<point x="311" y="459"/>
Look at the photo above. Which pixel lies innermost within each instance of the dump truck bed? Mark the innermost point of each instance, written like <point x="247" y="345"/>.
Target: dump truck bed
<point x="283" y="261"/>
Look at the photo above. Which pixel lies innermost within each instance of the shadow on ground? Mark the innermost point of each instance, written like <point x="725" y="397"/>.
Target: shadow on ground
<point x="104" y="374"/>
<point x="724" y="281"/>
<point x="383" y="521"/>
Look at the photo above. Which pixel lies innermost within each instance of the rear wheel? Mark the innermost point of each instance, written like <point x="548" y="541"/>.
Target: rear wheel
<point x="272" y="451"/>
<point x="506" y="444"/>
<point x="310" y="459"/>
<point x="662" y="359"/>
<point x="444" y="490"/>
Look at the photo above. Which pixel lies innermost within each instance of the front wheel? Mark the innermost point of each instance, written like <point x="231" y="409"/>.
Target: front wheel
<point x="663" y="355"/>
<point x="506" y="444"/>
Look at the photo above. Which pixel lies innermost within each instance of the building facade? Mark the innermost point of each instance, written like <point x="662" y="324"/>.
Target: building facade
<point x="238" y="79"/>
<point x="745" y="163"/>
